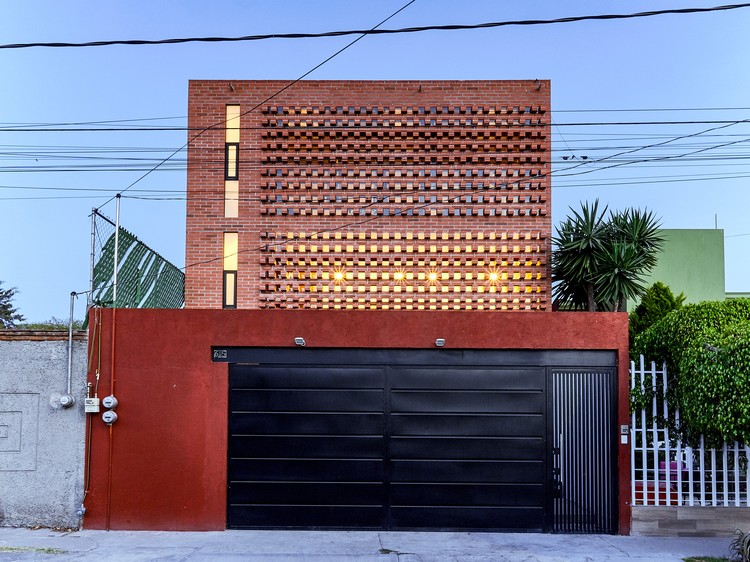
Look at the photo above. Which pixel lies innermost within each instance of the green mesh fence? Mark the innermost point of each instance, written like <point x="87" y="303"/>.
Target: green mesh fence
<point x="144" y="278"/>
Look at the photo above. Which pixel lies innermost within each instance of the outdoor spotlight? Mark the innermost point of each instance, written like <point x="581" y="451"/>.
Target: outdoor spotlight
<point x="299" y="341"/>
<point x="440" y="342"/>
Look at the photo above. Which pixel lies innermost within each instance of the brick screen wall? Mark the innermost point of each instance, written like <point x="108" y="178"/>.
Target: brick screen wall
<point x="373" y="195"/>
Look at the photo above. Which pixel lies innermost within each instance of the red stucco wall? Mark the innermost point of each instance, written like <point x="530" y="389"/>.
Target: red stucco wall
<point x="162" y="465"/>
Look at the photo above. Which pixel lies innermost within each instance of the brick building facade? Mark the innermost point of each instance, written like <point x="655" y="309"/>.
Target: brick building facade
<point x="401" y="198"/>
<point x="392" y="195"/>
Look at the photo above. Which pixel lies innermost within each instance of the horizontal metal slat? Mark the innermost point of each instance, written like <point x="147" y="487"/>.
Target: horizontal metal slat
<point x="272" y="423"/>
<point x="459" y="401"/>
<point x="494" y="425"/>
<point x="307" y="470"/>
<point x="305" y="399"/>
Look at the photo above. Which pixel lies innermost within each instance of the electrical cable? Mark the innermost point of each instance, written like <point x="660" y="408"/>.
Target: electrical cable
<point x="11" y="126"/>
<point x="652" y="109"/>
<point x="89" y="425"/>
<point x="375" y="31"/>
<point x="655" y="159"/>
<point x="362" y="127"/>
<point x="286" y="87"/>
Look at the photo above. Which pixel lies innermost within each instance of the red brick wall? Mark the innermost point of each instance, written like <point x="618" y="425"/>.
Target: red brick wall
<point x="465" y="163"/>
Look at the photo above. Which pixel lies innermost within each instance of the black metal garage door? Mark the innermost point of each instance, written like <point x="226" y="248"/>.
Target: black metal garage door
<point x="390" y="439"/>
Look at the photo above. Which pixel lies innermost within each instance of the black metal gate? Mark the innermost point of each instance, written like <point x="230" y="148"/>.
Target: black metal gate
<point x="584" y="441"/>
<point x="393" y="439"/>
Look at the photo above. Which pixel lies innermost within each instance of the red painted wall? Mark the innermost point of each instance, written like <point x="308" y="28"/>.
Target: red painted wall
<point x="162" y="465"/>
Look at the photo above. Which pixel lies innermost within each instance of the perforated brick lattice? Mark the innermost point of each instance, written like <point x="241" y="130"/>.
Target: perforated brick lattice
<point x="377" y="195"/>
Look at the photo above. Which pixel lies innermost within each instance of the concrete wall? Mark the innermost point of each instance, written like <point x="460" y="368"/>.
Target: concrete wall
<point x="41" y="444"/>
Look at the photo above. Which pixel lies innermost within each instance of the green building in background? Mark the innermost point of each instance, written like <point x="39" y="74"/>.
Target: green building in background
<point x="692" y="263"/>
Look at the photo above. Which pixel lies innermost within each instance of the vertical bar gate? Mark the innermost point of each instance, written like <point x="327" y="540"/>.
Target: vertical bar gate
<point x="584" y="463"/>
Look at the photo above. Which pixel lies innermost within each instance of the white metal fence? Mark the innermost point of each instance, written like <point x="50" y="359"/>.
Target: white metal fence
<point x="664" y="471"/>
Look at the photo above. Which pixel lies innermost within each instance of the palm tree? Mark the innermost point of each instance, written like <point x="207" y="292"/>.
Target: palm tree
<point x="598" y="262"/>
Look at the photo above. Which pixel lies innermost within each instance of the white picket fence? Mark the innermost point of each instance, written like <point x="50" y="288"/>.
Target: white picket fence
<point x="666" y="472"/>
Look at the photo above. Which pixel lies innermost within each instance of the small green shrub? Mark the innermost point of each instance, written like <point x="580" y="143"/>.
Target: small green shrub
<point x="656" y="303"/>
<point x="53" y="323"/>
<point x="740" y="546"/>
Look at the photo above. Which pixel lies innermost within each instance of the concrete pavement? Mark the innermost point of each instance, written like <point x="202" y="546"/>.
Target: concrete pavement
<point x="354" y="546"/>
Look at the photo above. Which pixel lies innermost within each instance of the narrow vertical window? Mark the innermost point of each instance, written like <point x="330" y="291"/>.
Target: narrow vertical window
<point x="229" y="292"/>
<point x="230" y="289"/>
<point x="231" y="199"/>
<point x="232" y="124"/>
<point x="231" y="161"/>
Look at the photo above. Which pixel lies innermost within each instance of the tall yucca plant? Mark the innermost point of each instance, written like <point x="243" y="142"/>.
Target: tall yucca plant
<point x="580" y="239"/>
<point x="598" y="262"/>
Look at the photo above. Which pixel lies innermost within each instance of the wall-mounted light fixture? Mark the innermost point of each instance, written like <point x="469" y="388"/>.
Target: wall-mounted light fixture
<point x="440" y="342"/>
<point x="299" y="341"/>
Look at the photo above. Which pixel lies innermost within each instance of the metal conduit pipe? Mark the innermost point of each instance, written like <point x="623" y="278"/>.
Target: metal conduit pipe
<point x="67" y="400"/>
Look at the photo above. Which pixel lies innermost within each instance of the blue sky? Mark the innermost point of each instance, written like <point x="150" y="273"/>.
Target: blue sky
<point x="691" y="65"/>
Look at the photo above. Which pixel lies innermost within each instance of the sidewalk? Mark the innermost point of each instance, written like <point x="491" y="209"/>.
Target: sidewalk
<point x="355" y="546"/>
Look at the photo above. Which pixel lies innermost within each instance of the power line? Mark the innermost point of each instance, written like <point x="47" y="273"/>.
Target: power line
<point x="644" y="123"/>
<point x="289" y="85"/>
<point x="652" y="109"/>
<point x="375" y="30"/>
<point x="730" y="155"/>
<point x="87" y="189"/>
<point x="650" y="181"/>
<point x="359" y="127"/>
<point x="107" y="122"/>
<point x="61" y="124"/>
<point x="654" y="159"/>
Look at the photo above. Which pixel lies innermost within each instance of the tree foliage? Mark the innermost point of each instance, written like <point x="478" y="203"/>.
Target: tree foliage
<point x="9" y="314"/>
<point x="599" y="261"/>
<point x="706" y="348"/>
<point x="656" y="303"/>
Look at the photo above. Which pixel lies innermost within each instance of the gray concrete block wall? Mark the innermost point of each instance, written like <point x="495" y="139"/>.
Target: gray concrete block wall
<point x="41" y="443"/>
<point x="685" y="521"/>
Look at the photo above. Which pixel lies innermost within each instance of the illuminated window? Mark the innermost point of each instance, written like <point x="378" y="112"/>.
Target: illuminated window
<point x="231" y="161"/>
<point x="231" y="199"/>
<point x="232" y="124"/>
<point x="229" y="291"/>
<point x="232" y="139"/>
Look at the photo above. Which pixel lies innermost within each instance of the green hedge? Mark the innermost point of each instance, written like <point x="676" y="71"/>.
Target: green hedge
<point x="706" y="347"/>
